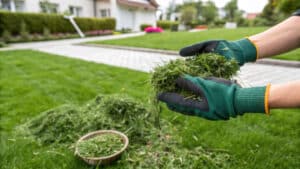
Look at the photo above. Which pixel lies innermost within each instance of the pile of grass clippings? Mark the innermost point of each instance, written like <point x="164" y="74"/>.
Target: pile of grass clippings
<point x="126" y="111"/>
<point x="67" y="123"/>
<point x="205" y="65"/>
<point x="100" y="146"/>
<point x="57" y="125"/>
<point x="164" y="150"/>
<point x="150" y="147"/>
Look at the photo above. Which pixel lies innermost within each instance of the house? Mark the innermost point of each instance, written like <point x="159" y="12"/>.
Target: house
<point x="251" y="16"/>
<point x="129" y="14"/>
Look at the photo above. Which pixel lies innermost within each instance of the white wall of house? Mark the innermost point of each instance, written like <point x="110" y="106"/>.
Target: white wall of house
<point x="145" y="16"/>
<point x="132" y="18"/>
<point x="127" y="17"/>
<point x="86" y="6"/>
<point x="103" y="6"/>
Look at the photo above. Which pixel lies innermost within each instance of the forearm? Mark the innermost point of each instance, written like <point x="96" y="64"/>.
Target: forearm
<point x="285" y="95"/>
<point x="278" y="39"/>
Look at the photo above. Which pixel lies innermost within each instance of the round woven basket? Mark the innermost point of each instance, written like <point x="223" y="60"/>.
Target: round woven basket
<point x="105" y="159"/>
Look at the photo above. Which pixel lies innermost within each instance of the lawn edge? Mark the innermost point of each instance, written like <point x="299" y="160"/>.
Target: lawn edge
<point x="266" y="61"/>
<point x="139" y="49"/>
<point x="279" y="62"/>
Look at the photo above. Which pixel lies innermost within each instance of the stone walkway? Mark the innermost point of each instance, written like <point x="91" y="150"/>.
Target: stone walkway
<point x="36" y="45"/>
<point x="142" y="61"/>
<point x="250" y="74"/>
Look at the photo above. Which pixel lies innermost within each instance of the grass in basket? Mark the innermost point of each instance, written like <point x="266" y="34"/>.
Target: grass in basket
<point x="100" y="146"/>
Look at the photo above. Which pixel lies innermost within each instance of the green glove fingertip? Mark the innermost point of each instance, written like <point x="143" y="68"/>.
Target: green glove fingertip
<point x="242" y="50"/>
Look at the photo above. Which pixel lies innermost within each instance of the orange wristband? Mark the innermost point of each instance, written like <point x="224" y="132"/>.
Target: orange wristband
<point x="267" y="94"/>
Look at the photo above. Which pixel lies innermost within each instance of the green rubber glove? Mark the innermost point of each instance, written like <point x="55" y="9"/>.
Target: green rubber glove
<point x="220" y="98"/>
<point x="242" y="50"/>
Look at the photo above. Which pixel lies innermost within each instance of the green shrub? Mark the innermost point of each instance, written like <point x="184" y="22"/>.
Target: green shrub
<point x="88" y="24"/>
<point x="145" y="25"/>
<point x="2" y="44"/>
<point x="169" y="25"/>
<point x="125" y="30"/>
<point x="6" y="36"/>
<point x="219" y="22"/>
<point x="24" y="33"/>
<point x="36" y="22"/>
<point x="46" y="33"/>
<point x="260" y="22"/>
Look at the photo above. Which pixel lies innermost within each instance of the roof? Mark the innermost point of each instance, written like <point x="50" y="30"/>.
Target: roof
<point x="147" y="4"/>
<point x="252" y="15"/>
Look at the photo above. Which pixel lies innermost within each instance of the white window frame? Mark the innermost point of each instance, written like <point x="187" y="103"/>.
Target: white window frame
<point x="75" y="10"/>
<point x="8" y="5"/>
<point x="106" y="13"/>
<point x="55" y="5"/>
<point x="20" y="5"/>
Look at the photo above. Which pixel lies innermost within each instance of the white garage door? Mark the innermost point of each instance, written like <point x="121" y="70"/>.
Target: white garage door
<point x="127" y="18"/>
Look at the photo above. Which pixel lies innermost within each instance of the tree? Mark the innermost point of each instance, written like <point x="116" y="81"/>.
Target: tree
<point x="269" y="13"/>
<point x="272" y="13"/>
<point x="198" y="5"/>
<point x="230" y="8"/>
<point x="171" y="8"/>
<point x="209" y="12"/>
<point x="288" y="6"/>
<point x="188" y="15"/>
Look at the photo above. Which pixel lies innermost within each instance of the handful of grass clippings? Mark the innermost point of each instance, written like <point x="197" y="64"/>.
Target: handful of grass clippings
<point x="204" y="65"/>
<point x="100" y="146"/>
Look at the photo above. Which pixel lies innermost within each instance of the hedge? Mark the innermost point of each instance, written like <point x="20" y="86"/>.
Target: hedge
<point x="36" y="22"/>
<point x="168" y="25"/>
<point x="89" y="24"/>
<point x="144" y="25"/>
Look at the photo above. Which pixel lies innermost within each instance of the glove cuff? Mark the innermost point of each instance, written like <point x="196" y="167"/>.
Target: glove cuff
<point x="252" y="100"/>
<point x="249" y="49"/>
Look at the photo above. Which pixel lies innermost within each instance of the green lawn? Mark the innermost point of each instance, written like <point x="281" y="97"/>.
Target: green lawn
<point x="177" y="40"/>
<point x="32" y="82"/>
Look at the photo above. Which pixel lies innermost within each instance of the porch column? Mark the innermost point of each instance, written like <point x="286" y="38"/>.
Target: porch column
<point x="12" y="6"/>
<point x="95" y="8"/>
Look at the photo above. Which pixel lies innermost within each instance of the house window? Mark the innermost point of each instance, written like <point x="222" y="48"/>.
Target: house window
<point x="75" y="11"/>
<point x="20" y="5"/>
<point x="48" y="7"/>
<point x="105" y="13"/>
<point x="5" y="5"/>
<point x="12" y="5"/>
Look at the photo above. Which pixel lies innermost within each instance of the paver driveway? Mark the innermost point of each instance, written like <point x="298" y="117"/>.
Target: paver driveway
<point x="250" y="74"/>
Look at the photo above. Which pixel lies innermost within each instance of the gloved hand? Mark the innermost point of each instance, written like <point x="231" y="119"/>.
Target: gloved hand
<point x="242" y="50"/>
<point x="220" y="98"/>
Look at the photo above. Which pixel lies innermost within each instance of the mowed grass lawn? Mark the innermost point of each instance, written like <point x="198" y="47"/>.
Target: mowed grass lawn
<point x="32" y="82"/>
<point x="176" y="40"/>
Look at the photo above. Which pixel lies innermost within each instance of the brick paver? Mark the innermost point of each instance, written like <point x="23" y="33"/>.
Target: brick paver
<point x="142" y="61"/>
<point x="250" y="74"/>
<point x="259" y="74"/>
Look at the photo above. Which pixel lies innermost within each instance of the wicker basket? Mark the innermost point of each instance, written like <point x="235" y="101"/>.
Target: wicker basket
<point x="106" y="159"/>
